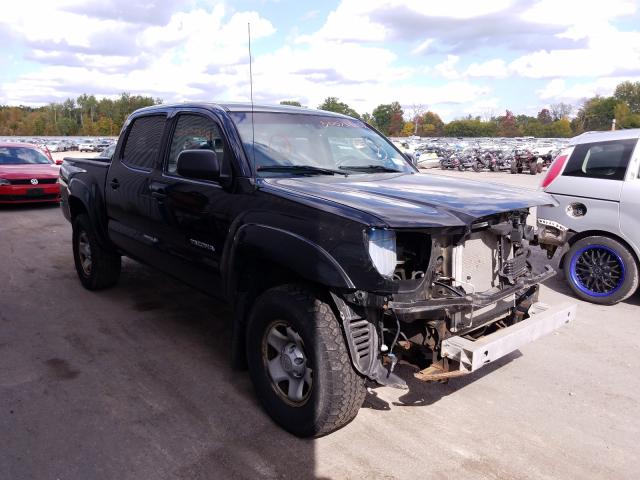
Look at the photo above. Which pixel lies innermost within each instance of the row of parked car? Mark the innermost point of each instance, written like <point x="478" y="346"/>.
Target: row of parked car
<point x="66" y="144"/>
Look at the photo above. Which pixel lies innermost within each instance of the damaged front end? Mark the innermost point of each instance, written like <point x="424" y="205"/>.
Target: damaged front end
<point x="461" y="299"/>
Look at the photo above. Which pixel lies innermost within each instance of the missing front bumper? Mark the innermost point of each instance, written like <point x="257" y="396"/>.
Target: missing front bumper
<point x="472" y="355"/>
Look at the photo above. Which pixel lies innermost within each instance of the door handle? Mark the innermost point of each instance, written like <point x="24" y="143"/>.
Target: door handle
<point x="115" y="184"/>
<point x="158" y="190"/>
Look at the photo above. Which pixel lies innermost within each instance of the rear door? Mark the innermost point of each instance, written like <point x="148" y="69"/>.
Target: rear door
<point x="630" y="203"/>
<point x="195" y="212"/>
<point x="131" y="209"/>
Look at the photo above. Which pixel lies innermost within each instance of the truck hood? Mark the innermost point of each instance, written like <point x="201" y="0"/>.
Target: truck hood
<point x="412" y="200"/>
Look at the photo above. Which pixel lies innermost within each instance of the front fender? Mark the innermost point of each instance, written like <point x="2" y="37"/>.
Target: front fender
<point x="307" y="259"/>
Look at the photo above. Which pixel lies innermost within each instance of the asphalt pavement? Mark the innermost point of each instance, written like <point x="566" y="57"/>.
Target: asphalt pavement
<point x="135" y="383"/>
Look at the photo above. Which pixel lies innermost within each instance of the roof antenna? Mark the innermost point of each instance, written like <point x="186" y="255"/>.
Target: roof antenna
<point x="253" y="130"/>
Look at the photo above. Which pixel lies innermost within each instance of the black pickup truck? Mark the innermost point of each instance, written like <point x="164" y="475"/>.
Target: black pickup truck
<point x="337" y="256"/>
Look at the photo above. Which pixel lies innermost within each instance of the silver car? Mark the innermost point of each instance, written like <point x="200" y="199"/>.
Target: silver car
<point x="597" y="223"/>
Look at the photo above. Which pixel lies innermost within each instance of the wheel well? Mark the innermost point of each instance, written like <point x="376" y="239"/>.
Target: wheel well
<point x="256" y="274"/>
<point x="76" y="207"/>
<point x="601" y="233"/>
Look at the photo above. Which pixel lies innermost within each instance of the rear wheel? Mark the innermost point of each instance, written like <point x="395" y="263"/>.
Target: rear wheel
<point x="601" y="270"/>
<point x="533" y="167"/>
<point x="477" y="166"/>
<point x="97" y="267"/>
<point x="514" y="167"/>
<point x="299" y="363"/>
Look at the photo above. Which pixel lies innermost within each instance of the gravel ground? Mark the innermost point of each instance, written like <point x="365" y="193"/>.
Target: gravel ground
<point x="135" y="383"/>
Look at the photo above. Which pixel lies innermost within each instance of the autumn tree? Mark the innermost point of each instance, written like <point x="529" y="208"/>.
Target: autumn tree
<point x="544" y="116"/>
<point x="332" y="104"/>
<point x="507" y="125"/>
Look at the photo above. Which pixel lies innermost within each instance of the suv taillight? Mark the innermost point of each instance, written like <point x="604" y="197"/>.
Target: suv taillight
<point x="554" y="170"/>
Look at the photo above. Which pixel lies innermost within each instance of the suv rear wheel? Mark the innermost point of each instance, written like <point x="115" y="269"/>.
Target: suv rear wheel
<point x="299" y="364"/>
<point x="97" y="267"/>
<point x="601" y="270"/>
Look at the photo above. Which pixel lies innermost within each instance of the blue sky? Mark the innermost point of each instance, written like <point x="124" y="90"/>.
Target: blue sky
<point x="456" y="58"/>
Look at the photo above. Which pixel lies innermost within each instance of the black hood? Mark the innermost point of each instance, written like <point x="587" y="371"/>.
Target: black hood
<point x="412" y="200"/>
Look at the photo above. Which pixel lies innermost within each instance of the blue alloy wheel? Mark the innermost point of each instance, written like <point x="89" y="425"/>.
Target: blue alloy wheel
<point x="597" y="270"/>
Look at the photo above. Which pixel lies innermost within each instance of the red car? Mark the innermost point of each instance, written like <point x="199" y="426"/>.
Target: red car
<point x="27" y="175"/>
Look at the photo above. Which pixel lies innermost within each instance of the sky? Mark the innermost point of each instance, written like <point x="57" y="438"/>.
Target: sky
<point x="454" y="57"/>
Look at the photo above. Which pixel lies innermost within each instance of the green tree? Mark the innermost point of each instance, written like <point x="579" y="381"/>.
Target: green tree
<point x="332" y="104"/>
<point x="293" y="103"/>
<point x="597" y="113"/>
<point x="388" y="118"/>
<point x="558" y="129"/>
<point x="629" y="93"/>
<point x="430" y="125"/>
<point x="470" y="128"/>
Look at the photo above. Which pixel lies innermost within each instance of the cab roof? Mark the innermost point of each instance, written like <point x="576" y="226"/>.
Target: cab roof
<point x="245" y="107"/>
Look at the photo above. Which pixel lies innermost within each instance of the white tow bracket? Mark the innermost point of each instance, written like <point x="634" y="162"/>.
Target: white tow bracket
<point x="474" y="354"/>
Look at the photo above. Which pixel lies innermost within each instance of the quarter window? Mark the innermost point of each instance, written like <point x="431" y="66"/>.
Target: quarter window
<point x="143" y="142"/>
<point x="605" y="160"/>
<point x="194" y="132"/>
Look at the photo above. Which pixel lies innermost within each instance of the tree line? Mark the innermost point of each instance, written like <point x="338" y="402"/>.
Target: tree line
<point x="85" y="115"/>
<point x="596" y="113"/>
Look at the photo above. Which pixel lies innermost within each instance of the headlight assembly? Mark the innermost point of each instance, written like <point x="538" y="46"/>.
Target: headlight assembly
<point x="382" y="250"/>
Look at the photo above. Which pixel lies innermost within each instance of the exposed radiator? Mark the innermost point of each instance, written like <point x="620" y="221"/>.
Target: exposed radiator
<point x="475" y="264"/>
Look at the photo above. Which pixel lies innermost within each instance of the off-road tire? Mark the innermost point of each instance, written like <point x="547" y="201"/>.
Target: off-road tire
<point x="514" y="167"/>
<point x="476" y="167"/>
<point x="105" y="265"/>
<point x="627" y="287"/>
<point x="337" y="391"/>
<point x="533" y="167"/>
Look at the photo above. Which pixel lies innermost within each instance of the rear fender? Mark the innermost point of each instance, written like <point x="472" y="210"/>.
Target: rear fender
<point x="89" y="199"/>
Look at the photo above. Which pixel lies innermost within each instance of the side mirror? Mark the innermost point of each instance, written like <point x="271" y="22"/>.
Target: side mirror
<point x="199" y="164"/>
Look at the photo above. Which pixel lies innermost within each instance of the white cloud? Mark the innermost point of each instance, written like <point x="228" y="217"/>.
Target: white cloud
<point x="447" y="69"/>
<point x="496" y="68"/>
<point x="423" y="47"/>
<point x="558" y="90"/>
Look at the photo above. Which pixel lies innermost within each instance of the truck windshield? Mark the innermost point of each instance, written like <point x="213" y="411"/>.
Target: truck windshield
<point x="321" y="145"/>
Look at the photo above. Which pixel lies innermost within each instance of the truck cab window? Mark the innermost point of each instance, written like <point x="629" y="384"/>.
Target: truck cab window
<point x="194" y="132"/>
<point x="143" y="142"/>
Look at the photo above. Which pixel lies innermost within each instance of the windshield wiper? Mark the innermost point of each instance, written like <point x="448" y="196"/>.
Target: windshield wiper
<point x="370" y="168"/>
<point x="303" y="169"/>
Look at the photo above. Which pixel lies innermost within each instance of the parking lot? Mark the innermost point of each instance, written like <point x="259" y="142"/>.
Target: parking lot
<point x="135" y="382"/>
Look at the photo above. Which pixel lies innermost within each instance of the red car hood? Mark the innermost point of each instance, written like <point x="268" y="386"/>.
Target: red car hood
<point x="29" y="171"/>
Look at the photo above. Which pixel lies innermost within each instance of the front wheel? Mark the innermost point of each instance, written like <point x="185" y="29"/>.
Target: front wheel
<point x="601" y="270"/>
<point x="299" y="364"/>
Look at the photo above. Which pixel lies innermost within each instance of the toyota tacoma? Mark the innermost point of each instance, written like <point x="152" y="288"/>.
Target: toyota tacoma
<point x="339" y="259"/>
